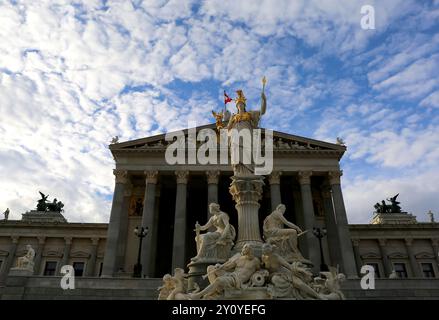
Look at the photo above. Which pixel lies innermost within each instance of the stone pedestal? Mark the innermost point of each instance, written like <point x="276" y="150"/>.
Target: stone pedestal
<point x="43" y="217"/>
<point x="247" y="191"/>
<point x="21" y="272"/>
<point x="393" y="218"/>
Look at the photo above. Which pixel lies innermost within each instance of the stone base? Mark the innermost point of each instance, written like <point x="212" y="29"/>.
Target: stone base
<point x="21" y="272"/>
<point x="247" y="294"/>
<point x="393" y="218"/>
<point x="43" y="217"/>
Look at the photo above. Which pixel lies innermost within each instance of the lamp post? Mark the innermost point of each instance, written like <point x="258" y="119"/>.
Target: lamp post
<point x="141" y="233"/>
<point x="319" y="234"/>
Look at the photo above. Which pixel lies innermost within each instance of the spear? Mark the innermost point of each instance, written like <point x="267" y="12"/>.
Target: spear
<point x="264" y="81"/>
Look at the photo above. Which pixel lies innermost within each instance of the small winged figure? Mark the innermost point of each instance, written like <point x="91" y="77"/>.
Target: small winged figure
<point x="42" y="206"/>
<point x="340" y="141"/>
<point x="218" y="119"/>
<point x="115" y="140"/>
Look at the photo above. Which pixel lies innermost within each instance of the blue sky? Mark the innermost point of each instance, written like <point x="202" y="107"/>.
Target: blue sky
<point x="74" y="74"/>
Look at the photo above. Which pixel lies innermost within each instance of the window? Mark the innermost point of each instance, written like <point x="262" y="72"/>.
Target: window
<point x="427" y="270"/>
<point x="376" y="269"/>
<point x="400" y="270"/>
<point x="79" y="268"/>
<point x="50" y="268"/>
<point x="100" y="268"/>
<point x="1" y="263"/>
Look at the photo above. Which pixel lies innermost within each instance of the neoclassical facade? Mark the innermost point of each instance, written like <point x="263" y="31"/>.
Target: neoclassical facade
<point x="306" y="179"/>
<point x="170" y="199"/>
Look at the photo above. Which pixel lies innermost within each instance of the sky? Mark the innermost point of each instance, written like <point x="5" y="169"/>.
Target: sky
<point x="74" y="74"/>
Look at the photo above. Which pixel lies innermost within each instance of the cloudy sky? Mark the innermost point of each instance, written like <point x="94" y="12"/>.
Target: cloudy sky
<point x="74" y="74"/>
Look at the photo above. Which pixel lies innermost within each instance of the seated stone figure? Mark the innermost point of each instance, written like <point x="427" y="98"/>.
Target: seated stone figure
<point x="27" y="261"/>
<point x="285" y="239"/>
<point x="329" y="284"/>
<point x="287" y="280"/>
<point x="215" y="244"/>
<point x="233" y="274"/>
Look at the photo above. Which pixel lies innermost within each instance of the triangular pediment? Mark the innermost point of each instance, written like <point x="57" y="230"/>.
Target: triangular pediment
<point x="283" y="142"/>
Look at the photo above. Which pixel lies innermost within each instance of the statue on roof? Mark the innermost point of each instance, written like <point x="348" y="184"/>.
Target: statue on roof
<point x="45" y="206"/>
<point x="244" y="120"/>
<point x="393" y="207"/>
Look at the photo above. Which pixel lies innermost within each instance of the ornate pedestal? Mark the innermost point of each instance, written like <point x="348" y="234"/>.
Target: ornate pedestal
<point x="43" y="217"/>
<point x="247" y="191"/>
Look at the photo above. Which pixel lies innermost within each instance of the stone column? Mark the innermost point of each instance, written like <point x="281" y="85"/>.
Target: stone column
<point x="311" y="243"/>
<point x="123" y="232"/>
<point x="66" y="253"/>
<point x="179" y="247"/>
<point x="110" y="258"/>
<point x="435" y="246"/>
<point x="147" y="258"/>
<point x="274" y="180"/>
<point x="91" y="265"/>
<point x="331" y="227"/>
<point x="155" y="235"/>
<point x="346" y="249"/>
<point x="38" y="255"/>
<point x="212" y="188"/>
<point x="246" y="192"/>
<point x="413" y="263"/>
<point x="386" y="262"/>
<point x="358" y="260"/>
<point x="8" y="264"/>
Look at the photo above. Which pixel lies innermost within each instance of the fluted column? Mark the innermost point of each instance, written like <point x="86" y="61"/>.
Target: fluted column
<point x="66" y="253"/>
<point x="435" y="246"/>
<point x="311" y="244"/>
<point x="384" y="256"/>
<point x="91" y="265"/>
<point x="147" y="258"/>
<point x="274" y="180"/>
<point x="123" y="231"/>
<point x="179" y="247"/>
<point x="212" y="188"/>
<point x="246" y="192"/>
<point x="346" y="249"/>
<point x="110" y="258"/>
<point x="358" y="260"/>
<point x="413" y="263"/>
<point x="38" y="255"/>
<point x="331" y="227"/>
<point x="10" y="260"/>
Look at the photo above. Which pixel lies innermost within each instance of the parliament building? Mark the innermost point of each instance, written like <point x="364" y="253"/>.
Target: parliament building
<point x="168" y="200"/>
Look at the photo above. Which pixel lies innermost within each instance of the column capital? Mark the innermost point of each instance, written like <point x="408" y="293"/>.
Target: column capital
<point x="182" y="176"/>
<point x="334" y="176"/>
<point x="68" y="240"/>
<point x="15" y="239"/>
<point x="382" y="242"/>
<point x="213" y="176"/>
<point x="355" y="242"/>
<point x="274" y="177"/>
<point x="94" y="241"/>
<point x="41" y="239"/>
<point x="435" y="242"/>
<point x="151" y="176"/>
<point x="408" y="241"/>
<point x="305" y="177"/>
<point x="120" y="175"/>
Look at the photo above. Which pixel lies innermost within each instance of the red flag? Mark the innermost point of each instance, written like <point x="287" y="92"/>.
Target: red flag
<point x="227" y="99"/>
